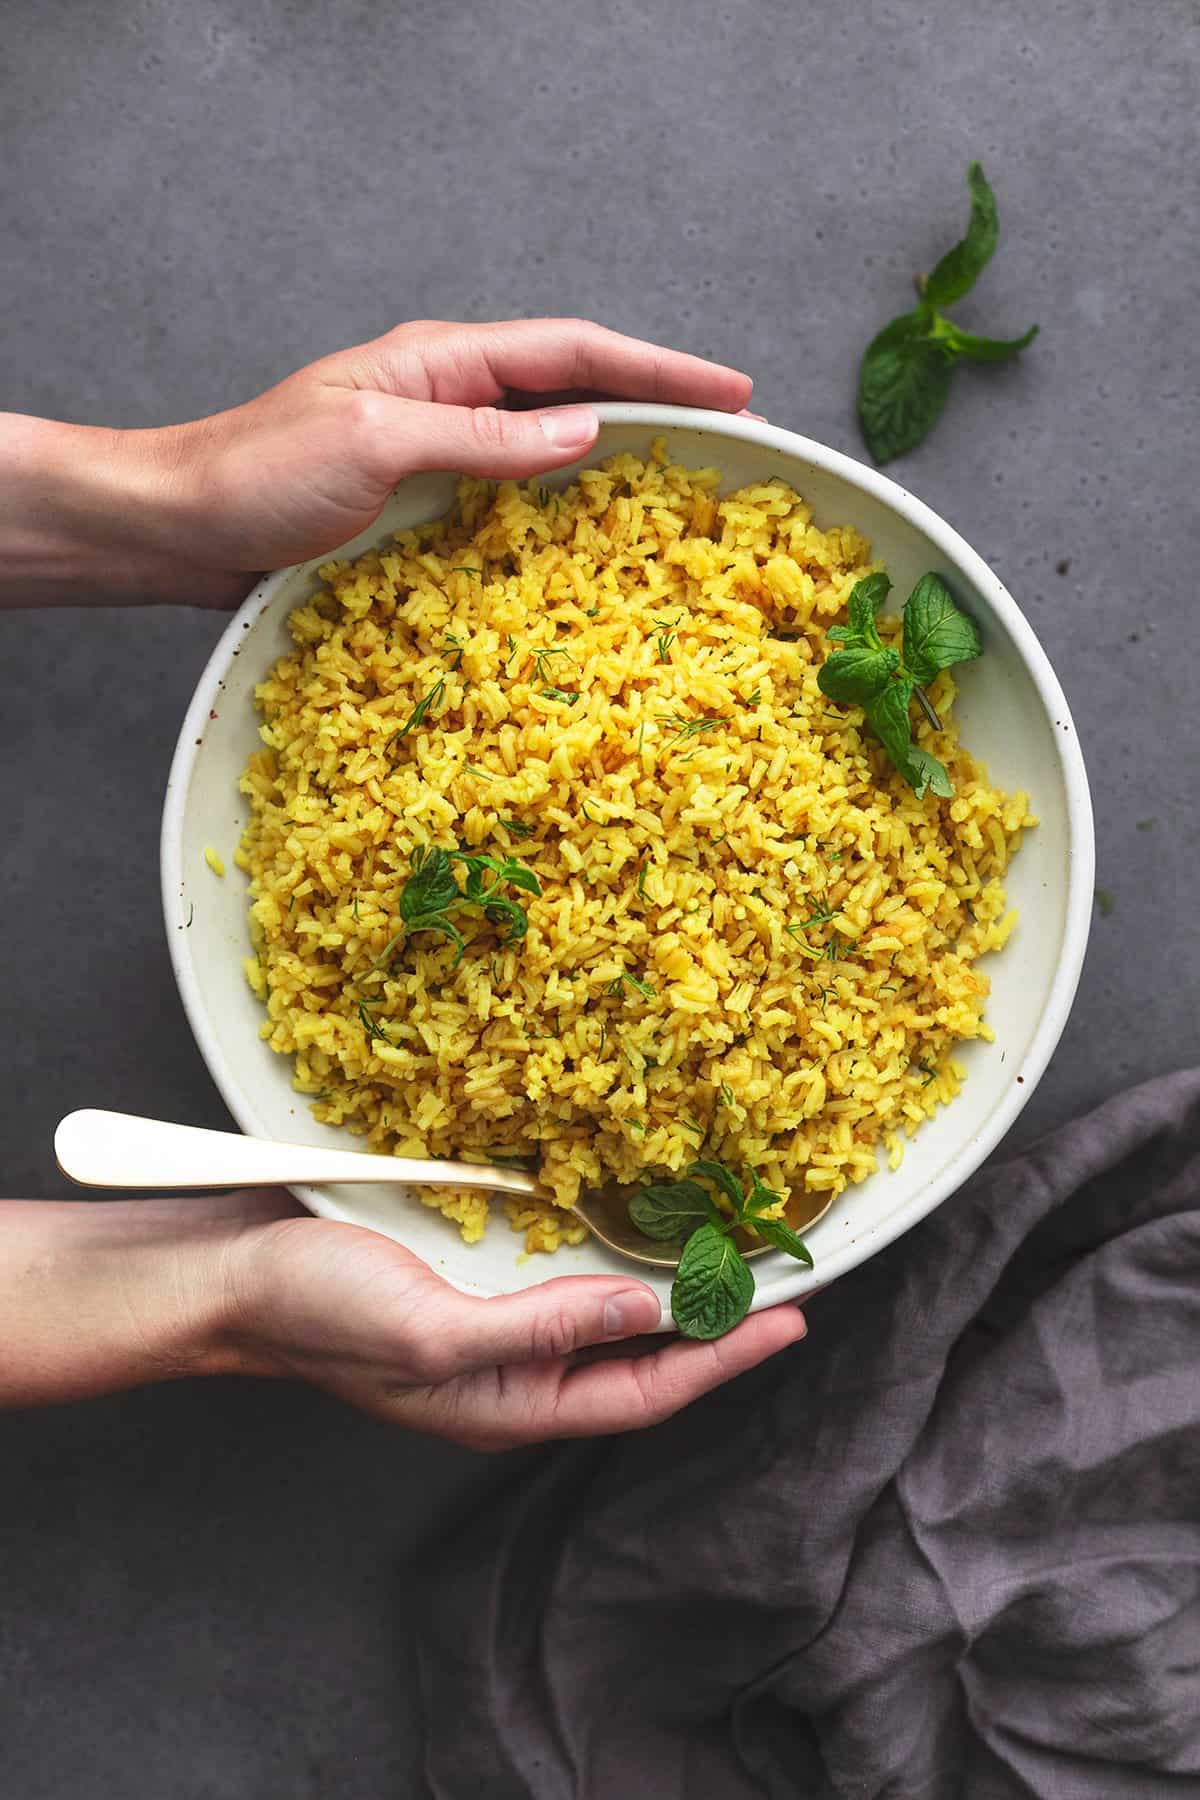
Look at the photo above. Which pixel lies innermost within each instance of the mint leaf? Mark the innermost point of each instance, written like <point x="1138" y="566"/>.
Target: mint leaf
<point x="903" y="385"/>
<point x="430" y="889"/>
<point x="671" y="1209"/>
<point x="923" y="772"/>
<point x="722" y="1178"/>
<point x="853" y="677"/>
<point x="510" y="915"/>
<point x="505" y="868"/>
<point x="936" y="633"/>
<point x="760" y="1197"/>
<point x="780" y="1234"/>
<point x="866" y="597"/>
<point x="887" y="715"/>
<point x="713" y="1287"/>
<point x="961" y="267"/>
<point x="987" y="350"/>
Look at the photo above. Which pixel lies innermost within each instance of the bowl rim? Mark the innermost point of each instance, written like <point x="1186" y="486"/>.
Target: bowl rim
<point x="1080" y="846"/>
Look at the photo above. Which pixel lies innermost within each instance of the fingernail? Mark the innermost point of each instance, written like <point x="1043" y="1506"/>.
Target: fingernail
<point x="569" y="427"/>
<point x="627" y="1314"/>
<point x="747" y="414"/>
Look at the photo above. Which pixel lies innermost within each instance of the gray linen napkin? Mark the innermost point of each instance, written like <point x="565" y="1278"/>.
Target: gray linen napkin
<point x="947" y="1546"/>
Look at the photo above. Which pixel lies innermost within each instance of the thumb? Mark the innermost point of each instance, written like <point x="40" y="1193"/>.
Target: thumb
<point x="478" y="440"/>
<point x="544" y="1322"/>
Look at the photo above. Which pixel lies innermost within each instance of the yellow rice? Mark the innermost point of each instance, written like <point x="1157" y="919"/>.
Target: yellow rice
<point x="678" y="858"/>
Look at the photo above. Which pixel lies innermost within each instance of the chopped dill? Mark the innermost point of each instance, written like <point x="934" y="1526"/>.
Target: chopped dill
<point x="417" y="715"/>
<point x="754" y="699"/>
<point x="353" y="909"/>
<point x="928" y="1073"/>
<point x="454" y="649"/>
<point x="727" y="1096"/>
<point x="838" y="950"/>
<point x="567" y="696"/>
<point x="691" y="1125"/>
<point x="689" y="728"/>
<point x="616" y="988"/>
<point x="540" y="656"/>
<point x="192" y="913"/>
<point x="371" y="1026"/>
<point x="517" y="828"/>
<point x="593" y="612"/>
<point x="641" y="882"/>
<point x="822" y="915"/>
<point x="483" y="774"/>
<point x="667" y="631"/>
<point x="465" y="569"/>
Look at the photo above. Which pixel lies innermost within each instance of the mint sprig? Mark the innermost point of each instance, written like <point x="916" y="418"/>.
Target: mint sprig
<point x="431" y="893"/>
<point x="714" y="1285"/>
<point x="904" y="380"/>
<point x="883" y="681"/>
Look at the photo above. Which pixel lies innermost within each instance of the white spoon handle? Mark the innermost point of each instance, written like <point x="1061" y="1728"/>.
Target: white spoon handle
<point x="119" y="1150"/>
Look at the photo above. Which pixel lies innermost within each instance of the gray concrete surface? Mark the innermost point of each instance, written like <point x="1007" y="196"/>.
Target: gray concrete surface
<point x="202" y="1591"/>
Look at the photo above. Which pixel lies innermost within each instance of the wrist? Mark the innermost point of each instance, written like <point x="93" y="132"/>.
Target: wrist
<point x="99" y="1296"/>
<point x="94" y="515"/>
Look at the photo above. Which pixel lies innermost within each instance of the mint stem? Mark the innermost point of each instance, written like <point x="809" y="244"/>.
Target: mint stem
<point x="927" y="708"/>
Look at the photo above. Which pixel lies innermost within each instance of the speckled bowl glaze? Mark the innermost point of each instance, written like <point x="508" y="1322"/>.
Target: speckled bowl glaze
<point x="1013" y="717"/>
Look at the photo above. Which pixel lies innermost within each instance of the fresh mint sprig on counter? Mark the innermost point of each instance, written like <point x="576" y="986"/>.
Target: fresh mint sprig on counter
<point x="867" y="672"/>
<point x="904" y="380"/>
<point x="714" y="1285"/>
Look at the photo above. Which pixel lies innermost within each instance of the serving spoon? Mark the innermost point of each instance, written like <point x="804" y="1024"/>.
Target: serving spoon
<point x="121" y="1150"/>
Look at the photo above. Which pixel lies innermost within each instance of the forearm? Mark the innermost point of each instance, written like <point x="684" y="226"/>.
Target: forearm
<point x="101" y="1295"/>
<point x="91" y="516"/>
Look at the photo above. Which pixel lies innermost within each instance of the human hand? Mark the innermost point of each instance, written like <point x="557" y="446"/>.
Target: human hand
<point x="196" y="512"/>
<point x="305" y="466"/>
<point x="359" y="1315"/>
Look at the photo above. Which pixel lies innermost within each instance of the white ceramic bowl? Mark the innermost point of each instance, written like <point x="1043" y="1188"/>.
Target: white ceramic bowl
<point x="1013" y="716"/>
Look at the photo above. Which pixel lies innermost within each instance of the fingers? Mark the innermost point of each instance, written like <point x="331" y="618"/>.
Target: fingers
<point x="398" y="437"/>
<point x="543" y="1324"/>
<point x="638" y="1391"/>
<point x="499" y="1409"/>
<point x="475" y="365"/>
